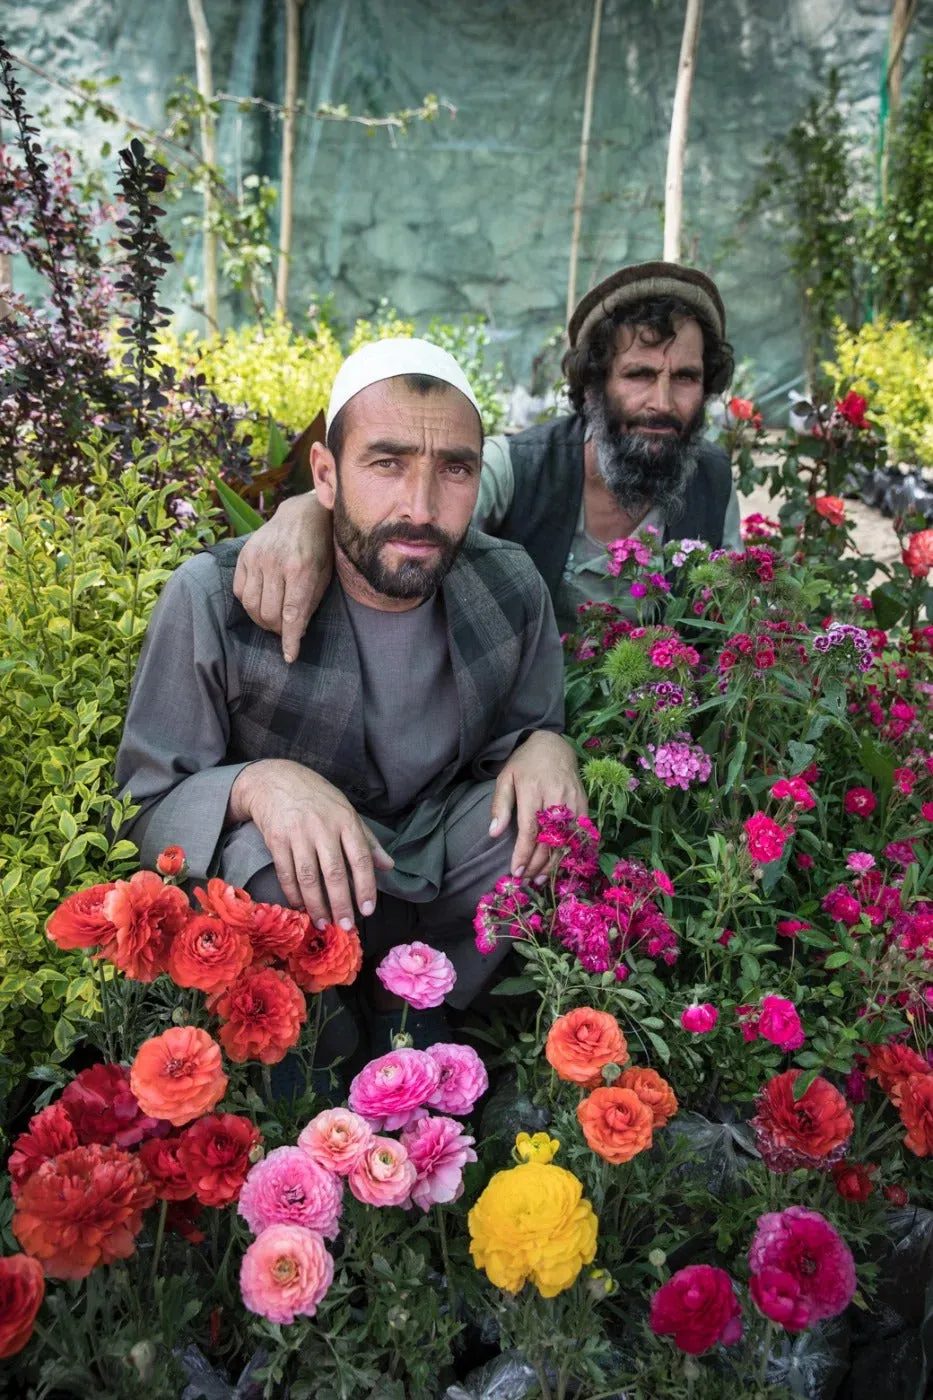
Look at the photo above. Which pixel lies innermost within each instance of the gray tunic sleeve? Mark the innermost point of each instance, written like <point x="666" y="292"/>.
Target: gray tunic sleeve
<point x="171" y="756"/>
<point x="537" y="698"/>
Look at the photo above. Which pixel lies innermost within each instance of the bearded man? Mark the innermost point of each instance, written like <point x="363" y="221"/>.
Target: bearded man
<point x="399" y="764"/>
<point x="647" y="349"/>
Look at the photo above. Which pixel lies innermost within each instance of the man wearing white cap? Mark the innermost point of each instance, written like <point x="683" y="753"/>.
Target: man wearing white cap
<point x="409" y="746"/>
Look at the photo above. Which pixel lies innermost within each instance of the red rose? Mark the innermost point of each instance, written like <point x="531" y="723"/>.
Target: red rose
<point x="103" y="1107"/>
<point x="742" y="409"/>
<point x="918" y="555"/>
<point x="853" y="1181"/>
<point x="22" y="1288"/>
<point x="50" y="1132"/>
<point x="172" y="861"/>
<point x="852" y="409"/>
<point x="80" y="921"/>
<point x="215" y="1153"/>
<point x="831" y="508"/>
<point x="698" y="1308"/>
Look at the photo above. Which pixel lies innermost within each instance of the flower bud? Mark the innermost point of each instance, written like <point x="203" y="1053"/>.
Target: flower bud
<point x="657" y="1259"/>
<point x="600" y="1283"/>
<point x="611" y="1073"/>
<point x="172" y="863"/>
<point x="142" y="1357"/>
<point x="402" y="1041"/>
<point x="256" y="1154"/>
<point x="179" y="1016"/>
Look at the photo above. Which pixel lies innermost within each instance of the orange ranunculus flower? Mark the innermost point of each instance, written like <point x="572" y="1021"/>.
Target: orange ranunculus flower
<point x="616" y="1123"/>
<point x="831" y="508"/>
<point x="22" y="1288"/>
<point x="216" y="1155"/>
<point x="178" y="1075"/>
<point x="163" y="1168"/>
<point x="208" y="954"/>
<point x="918" y="554"/>
<point x="890" y="1065"/>
<point x="915" y="1105"/>
<point x="146" y="915"/>
<point x="82" y="1208"/>
<point x="172" y="861"/>
<point x="277" y="931"/>
<point x="227" y="902"/>
<point x="652" y="1090"/>
<point x="80" y="921"/>
<point x="580" y="1043"/>
<point x="263" y="1012"/>
<point x="326" y="957"/>
<point x="811" y="1131"/>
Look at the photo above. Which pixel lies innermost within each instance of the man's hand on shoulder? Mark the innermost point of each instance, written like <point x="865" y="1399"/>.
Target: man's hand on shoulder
<point x="283" y="569"/>
<point x="542" y="772"/>
<point x="316" y="839"/>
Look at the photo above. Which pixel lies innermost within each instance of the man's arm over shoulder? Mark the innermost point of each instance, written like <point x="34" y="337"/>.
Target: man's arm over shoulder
<point x="177" y="730"/>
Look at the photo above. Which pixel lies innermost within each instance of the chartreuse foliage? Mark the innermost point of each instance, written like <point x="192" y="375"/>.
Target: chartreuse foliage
<point x="80" y="572"/>
<point x="890" y="364"/>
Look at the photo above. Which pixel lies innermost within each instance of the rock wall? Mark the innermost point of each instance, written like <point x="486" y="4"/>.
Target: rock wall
<point x="473" y="215"/>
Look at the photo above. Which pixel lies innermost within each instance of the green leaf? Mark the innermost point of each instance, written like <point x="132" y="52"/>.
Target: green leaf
<point x="240" y="513"/>
<point x="803" y="1081"/>
<point x="277" y="448"/>
<point x="68" y="826"/>
<point x="513" y="987"/>
<point x="889" y="605"/>
<point x="660" y="1045"/>
<point x="838" y="959"/>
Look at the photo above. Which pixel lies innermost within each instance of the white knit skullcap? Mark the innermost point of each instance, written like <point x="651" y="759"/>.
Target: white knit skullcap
<point x="387" y="359"/>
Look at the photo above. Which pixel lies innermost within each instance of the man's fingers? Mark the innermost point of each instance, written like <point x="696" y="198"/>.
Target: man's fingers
<point x="300" y="882"/>
<point x="334" y="872"/>
<point x="270" y="605"/>
<point x="300" y="599"/>
<point x="381" y="858"/>
<point x="503" y="800"/>
<point x="247" y="585"/>
<point x="538" y="862"/>
<point x="527" y="838"/>
<point x="360" y="860"/>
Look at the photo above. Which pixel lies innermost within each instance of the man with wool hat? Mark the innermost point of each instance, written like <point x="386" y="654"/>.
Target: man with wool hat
<point x="399" y="762"/>
<point x="647" y="349"/>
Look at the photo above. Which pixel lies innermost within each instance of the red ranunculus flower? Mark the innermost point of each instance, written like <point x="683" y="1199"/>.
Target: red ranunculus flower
<point x="172" y="861"/>
<point x="226" y="902"/>
<point x="215" y="1153"/>
<point x="263" y="1013"/>
<point x="160" y="1157"/>
<point x="327" y="957"/>
<point x="853" y="1181"/>
<point x="81" y="1209"/>
<point x="103" y="1107"/>
<point x="276" y="931"/>
<point x="860" y="802"/>
<point x="208" y="954"/>
<point x="918" y="554"/>
<point x="50" y="1132"/>
<point x="146" y="915"/>
<point x="852" y="409"/>
<point x="831" y="508"/>
<point x="914" y="1102"/>
<point x="182" y="1218"/>
<point x="698" y="1308"/>
<point x="22" y="1288"/>
<point x="898" y="1195"/>
<point x="812" y="1131"/>
<point x="80" y="921"/>
<point x="892" y="1064"/>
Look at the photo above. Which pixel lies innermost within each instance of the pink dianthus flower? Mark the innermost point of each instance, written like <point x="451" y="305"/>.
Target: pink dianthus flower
<point x="765" y="838"/>
<point x="418" y="974"/>
<point x="802" y="1271"/>
<point x="287" y="1187"/>
<point x="439" y="1150"/>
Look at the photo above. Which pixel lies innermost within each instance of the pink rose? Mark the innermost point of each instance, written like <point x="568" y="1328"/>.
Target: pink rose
<point x="439" y="1150"/>
<point x="336" y="1139"/>
<point x="389" y="1090"/>
<point x="287" y="1187"/>
<point x="384" y="1175"/>
<point x="420" y="975"/>
<point x="765" y="838"/>
<point x="778" y="1022"/>
<point x="463" y="1078"/>
<point x="802" y="1270"/>
<point x="699" y="1018"/>
<point x="285" y="1273"/>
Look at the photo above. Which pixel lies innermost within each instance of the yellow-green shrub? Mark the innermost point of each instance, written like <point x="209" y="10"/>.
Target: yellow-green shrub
<point x="79" y="573"/>
<point x="888" y="363"/>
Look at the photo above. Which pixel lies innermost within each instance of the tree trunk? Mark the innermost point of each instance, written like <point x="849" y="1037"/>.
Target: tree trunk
<point x="592" y="66"/>
<point x="287" y="189"/>
<point x="902" y="16"/>
<point x="205" y="80"/>
<point x="674" y="183"/>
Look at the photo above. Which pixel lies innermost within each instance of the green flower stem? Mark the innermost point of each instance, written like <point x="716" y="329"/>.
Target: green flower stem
<point x="318" y="1018"/>
<point x="766" y="1352"/>
<point x="160" y="1235"/>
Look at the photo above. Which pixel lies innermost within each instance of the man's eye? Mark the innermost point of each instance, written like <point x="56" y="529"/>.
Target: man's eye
<point x="640" y="374"/>
<point x="459" y="468"/>
<point x="386" y="462"/>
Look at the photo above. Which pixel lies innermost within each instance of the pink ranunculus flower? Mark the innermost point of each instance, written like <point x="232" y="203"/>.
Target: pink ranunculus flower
<point x="390" y="1090"/>
<point x="384" y="1175"/>
<point x="802" y="1271"/>
<point x="765" y="838"/>
<point x="699" y="1018"/>
<point x="336" y="1139"/>
<point x="288" y="1188"/>
<point x="463" y="1078"/>
<point x="778" y="1022"/>
<point x="439" y="1149"/>
<point x="860" y="861"/>
<point x="420" y="975"/>
<point x="285" y="1273"/>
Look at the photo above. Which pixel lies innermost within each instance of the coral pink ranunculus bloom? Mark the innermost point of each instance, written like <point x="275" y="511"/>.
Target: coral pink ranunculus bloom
<point x="80" y="921"/>
<point x="285" y="1273"/>
<point x="699" y="1018"/>
<point x="336" y="1139"/>
<point x="177" y="1075"/>
<point x="384" y="1175"/>
<point x="418" y="974"/>
<point x="287" y="1187"/>
<point x="439" y="1150"/>
<point x="779" y="1022"/>
<point x="765" y="838"/>
<point x="390" y="1090"/>
<point x="698" y="1308"/>
<point x="146" y="915"/>
<point x="802" y="1270"/>
<point x="463" y="1078"/>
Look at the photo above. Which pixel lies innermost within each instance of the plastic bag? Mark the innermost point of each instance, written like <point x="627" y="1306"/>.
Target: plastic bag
<point x="507" y="1377"/>
<point x="719" y="1151"/>
<point x="206" y="1383"/>
<point x="813" y="1364"/>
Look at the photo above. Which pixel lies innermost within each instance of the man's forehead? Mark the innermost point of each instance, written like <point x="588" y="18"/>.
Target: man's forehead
<point x="635" y="341"/>
<point x="391" y="404"/>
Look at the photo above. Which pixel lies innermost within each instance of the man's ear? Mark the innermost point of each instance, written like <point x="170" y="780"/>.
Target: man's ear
<point x="324" y="471"/>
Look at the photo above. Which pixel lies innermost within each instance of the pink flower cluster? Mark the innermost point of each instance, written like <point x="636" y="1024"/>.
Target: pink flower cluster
<point x="802" y="1271"/>
<point x="776" y="1019"/>
<point x="795" y="790"/>
<point x="621" y="551"/>
<point x="671" y="651"/>
<point x="678" y="763"/>
<point x="766" y="838"/>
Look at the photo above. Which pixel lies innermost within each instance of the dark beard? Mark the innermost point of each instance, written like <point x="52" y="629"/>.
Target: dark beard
<point x="642" y="472"/>
<point x="411" y="578"/>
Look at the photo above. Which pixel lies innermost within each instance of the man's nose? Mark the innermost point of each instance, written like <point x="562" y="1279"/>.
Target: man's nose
<point x="660" y="395"/>
<point x="420" y="504"/>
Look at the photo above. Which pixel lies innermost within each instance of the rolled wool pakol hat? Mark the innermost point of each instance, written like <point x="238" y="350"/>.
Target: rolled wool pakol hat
<point x="387" y="359"/>
<point x="654" y="279"/>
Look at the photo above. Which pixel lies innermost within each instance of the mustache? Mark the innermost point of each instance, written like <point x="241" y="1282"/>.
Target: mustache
<point x="410" y="534"/>
<point x="658" y="420"/>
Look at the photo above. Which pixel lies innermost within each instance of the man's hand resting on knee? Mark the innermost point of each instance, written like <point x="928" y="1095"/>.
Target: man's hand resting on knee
<point x="542" y="772"/>
<point x="283" y="570"/>
<point x="316" y="839"/>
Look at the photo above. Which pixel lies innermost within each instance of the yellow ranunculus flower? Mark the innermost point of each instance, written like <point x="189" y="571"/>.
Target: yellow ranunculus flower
<point x="531" y="1223"/>
<point x="540" y="1148"/>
